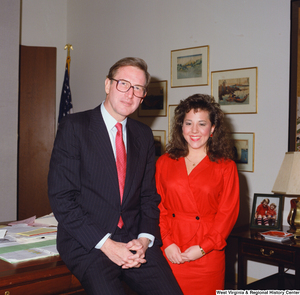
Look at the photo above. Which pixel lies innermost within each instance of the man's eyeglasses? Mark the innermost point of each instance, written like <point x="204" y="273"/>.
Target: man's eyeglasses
<point x="124" y="86"/>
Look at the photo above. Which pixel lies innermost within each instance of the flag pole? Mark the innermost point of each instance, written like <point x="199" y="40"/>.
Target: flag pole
<point x="69" y="47"/>
<point x="66" y="105"/>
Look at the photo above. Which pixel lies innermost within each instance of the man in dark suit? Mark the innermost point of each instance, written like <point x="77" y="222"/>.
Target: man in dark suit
<point x="107" y="233"/>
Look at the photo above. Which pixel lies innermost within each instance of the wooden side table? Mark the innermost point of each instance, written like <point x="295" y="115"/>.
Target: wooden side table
<point x="252" y="246"/>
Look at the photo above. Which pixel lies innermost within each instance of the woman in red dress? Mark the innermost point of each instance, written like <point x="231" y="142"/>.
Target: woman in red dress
<point x="199" y="186"/>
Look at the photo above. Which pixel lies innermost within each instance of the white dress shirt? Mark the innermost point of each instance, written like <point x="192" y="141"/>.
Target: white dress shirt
<point x="110" y="123"/>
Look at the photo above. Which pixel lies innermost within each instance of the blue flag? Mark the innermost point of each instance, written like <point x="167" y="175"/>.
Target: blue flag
<point x="65" y="99"/>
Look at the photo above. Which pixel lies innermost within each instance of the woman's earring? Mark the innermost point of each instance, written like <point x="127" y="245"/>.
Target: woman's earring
<point x="211" y="135"/>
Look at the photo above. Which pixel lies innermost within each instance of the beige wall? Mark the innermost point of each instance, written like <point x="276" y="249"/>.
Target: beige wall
<point x="9" y="70"/>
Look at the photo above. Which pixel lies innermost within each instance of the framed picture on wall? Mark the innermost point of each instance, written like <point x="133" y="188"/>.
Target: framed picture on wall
<point x="172" y="108"/>
<point x="159" y="142"/>
<point x="244" y="150"/>
<point x="267" y="212"/>
<point x="190" y="66"/>
<point x="155" y="103"/>
<point x="235" y="90"/>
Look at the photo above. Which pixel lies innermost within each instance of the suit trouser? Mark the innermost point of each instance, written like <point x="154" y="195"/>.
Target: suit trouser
<point x="155" y="277"/>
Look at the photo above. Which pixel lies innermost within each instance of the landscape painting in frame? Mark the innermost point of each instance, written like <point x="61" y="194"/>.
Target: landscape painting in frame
<point x="155" y="103"/>
<point x="244" y="151"/>
<point x="159" y="142"/>
<point x="236" y="90"/>
<point x="189" y="67"/>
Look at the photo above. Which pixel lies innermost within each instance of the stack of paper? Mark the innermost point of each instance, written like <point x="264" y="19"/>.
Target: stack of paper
<point x="47" y="220"/>
<point x="19" y="253"/>
<point x="28" y="239"/>
<point x="277" y="236"/>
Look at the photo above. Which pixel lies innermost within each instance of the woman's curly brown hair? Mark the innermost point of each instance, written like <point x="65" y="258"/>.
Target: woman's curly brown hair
<point x="219" y="146"/>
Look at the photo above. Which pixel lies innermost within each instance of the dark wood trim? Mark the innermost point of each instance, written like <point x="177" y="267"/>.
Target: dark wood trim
<point x="292" y="141"/>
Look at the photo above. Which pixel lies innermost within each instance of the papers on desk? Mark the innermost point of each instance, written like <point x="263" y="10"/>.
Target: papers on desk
<point x="2" y="233"/>
<point x="29" y="254"/>
<point x="47" y="220"/>
<point x="20" y="233"/>
<point x="28" y="221"/>
<point x="276" y="236"/>
<point x="39" y="231"/>
<point x="26" y="240"/>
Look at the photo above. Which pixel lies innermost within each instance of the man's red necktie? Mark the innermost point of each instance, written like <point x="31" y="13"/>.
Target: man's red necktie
<point x="121" y="164"/>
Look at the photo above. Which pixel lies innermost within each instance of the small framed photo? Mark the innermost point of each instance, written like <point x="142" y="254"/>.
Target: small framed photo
<point x="267" y="212"/>
<point x="190" y="66"/>
<point x="159" y="142"/>
<point x="244" y="151"/>
<point x="235" y="90"/>
<point x="155" y="103"/>
<point x="172" y="108"/>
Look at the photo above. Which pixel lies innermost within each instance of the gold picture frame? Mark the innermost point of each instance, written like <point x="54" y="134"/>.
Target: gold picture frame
<point x="190" y="66"/>
<point x="235" y="90"/>
<point x="244" y="148"/>
<point x="159" y="142"/>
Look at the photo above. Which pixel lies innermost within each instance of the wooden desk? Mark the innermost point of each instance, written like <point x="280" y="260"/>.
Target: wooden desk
<point x="36" y="277"/>
<point x="252" y="246"/>
<point x="41" y="276"/>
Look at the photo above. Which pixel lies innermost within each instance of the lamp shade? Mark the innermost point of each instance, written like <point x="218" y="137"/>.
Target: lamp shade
<point x="288" y="178"/>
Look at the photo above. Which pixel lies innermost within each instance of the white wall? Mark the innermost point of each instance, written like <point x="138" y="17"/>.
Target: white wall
<point x="9" y="71"/>
<point x="248" y="33"/>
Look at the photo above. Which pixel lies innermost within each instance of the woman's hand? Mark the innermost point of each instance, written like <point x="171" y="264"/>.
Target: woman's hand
<point x="191" y="254"/>
<point x="173" y="253"/>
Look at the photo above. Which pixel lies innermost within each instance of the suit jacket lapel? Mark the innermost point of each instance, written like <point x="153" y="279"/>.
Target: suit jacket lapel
<point x="102" y="141"/>
<point x="133" y="147"/>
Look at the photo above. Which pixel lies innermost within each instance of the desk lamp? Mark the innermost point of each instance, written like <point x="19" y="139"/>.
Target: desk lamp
<point x="288" y="183"/>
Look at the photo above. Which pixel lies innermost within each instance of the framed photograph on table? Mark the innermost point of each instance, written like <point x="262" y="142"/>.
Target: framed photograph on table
<point x="159" y="142"/>
<point x="267" y="212"/>
<point x="171" y="118"/>
<point x="155" y="103"/>
<point x="190" y="66"/>
<point x="244" y="149"/>
<point x="235" y="90"/>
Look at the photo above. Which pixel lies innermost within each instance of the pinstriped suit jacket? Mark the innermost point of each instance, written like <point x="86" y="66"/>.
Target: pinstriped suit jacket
<point x="83" y="186"/>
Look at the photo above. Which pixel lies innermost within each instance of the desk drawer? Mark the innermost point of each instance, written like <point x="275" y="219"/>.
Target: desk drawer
<point x="272" y="253"/>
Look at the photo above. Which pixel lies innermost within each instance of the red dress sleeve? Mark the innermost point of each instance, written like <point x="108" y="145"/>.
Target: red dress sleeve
<point x="228" y="210"/>
<point x="165" y="231"/>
